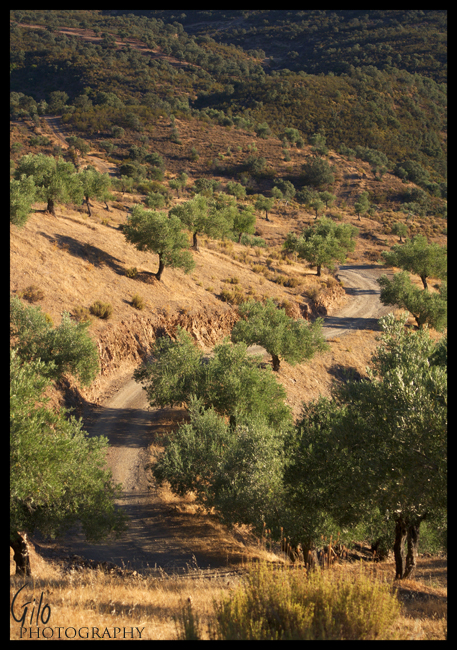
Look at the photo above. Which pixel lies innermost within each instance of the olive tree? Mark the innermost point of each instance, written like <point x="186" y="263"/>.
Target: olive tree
<point x="56" y="181"/>
<point x="22" y="195"/>
<point x="417" y="256"/>
<point x="162" y="234"/>
<point x="281" y="336"/>
<point x="377" y="449"/>
<point x="230" y="381"/>
<point x="323" y="243"/>
<point x="427" y="307"/>
<point x="202" y="215"/>
<point x="58" y="475"/>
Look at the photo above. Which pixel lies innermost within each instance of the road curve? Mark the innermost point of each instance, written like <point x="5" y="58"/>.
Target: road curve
<point x="157" y="536"/>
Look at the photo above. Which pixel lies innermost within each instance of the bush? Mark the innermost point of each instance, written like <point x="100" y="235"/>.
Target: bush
<point x="81" y="314"/>
<point x="138" y="302"/>
<point x="235" y="297"/>
<point x="284" y="605"/>
<point x="101" y="309"/>
<point x="32" y="293"/>
<point x="252" y="240"/>
<point x="131" y="272"/>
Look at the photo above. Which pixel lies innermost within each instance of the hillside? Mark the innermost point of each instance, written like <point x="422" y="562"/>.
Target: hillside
<point x="170" y="104"/>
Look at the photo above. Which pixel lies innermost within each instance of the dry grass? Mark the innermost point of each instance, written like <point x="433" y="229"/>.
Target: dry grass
<point x="88" y="598"/>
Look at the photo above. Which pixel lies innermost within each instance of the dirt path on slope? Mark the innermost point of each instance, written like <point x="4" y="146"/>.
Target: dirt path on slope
<point x="158" y="535"/>
<point x="364" y="308"/>
<point x="58" y="134"/>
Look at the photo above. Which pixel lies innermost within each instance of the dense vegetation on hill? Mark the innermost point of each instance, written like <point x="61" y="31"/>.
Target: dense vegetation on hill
<point x="362" y="79"/>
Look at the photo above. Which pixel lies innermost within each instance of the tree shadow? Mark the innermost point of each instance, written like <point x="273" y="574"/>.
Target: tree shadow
<point x="349" y="323"/>
<point x="87" y="252"/>
<point x="345" y="374"/>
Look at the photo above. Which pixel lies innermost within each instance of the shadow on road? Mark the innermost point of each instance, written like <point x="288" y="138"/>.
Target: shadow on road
<point x="350" y="323"/>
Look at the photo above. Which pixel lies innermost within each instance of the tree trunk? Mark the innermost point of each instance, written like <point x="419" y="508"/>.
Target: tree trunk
<point x="413" y="543"/>
<point x="161" y="268"/>
<point x="319" y="268"/>
<point x="401" y="531"/>
<point x="424" y="281"/>
<point x="266" y="215"/>
<point x="21" y="555"/>
<point x="107" y="206"/>
<point x="88" y="206"/>
<point x="51" y="207"/>
<point x="275" y="362"/>
<point x="239" y="237"/>
<point x="195" y="242"/>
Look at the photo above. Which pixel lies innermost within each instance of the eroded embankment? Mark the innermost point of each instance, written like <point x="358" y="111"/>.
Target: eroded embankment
<point x="122" y="346"/>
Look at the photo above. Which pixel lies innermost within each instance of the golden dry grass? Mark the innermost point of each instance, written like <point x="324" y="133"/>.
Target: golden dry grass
<point x="89" y="598"/>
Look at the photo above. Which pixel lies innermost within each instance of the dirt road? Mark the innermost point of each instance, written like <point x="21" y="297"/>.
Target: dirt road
<point x="158" y="536"/>
<point x="58" y="134"/>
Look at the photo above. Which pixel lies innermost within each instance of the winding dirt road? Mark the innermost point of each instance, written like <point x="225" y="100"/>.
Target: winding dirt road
<point x="158" y="536"/>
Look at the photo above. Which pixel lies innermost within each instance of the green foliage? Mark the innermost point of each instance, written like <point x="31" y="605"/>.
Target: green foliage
<point x="264" y="203"/>
<point x="235" y="470"/>
<point x="230" y="381"/>
<point x="158" y="233"/>
<point x="55" y="180"/>
<point x="362" y="204"/>
<point x="201" y="215"/>
<point x="155" y="200"/>
<point x="95" y="185"/>
<point x="400" y="229"/>
<point x="58" y="476"/>
<point x="22" y="195"/>
<point x="244" y="224"/>
<point x="276" y="604"/>
<point x="66" y="348"/>
<point x="318" y="172"/>
<point x="236" y="189"/>
<point x="426" y="307"/>
<point x="379" y="446"/>
<point x="417" y="256"/>
<point x="283" y="337"/>
<point x="323" y="244"/>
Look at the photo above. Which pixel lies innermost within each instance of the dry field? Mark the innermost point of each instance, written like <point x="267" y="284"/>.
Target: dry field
<point x="84" y="599"/>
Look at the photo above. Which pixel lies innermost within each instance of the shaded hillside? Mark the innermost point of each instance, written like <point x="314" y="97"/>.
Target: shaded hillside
<point x="103" y="67"/>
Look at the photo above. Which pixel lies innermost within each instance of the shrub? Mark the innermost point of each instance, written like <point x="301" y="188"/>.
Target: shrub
<point x="235" y="297"/>
<point x="279" y="604"/>
<point x="101" y="309"/>
<point x="132" y="272"/>
<point x="138" y="302"/>
<point x="81" y="314"/>
<point x="32" y="293"/>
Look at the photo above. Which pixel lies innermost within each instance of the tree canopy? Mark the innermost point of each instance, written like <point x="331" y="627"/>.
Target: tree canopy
<point x="323" y="243"/>
<point x="55" y="180"/>
<point x="280" y="335"/>
<point x="230" y="380"/>
<point x="156" y="232"/>
<point x="202" y="215"/>
<point x="417" y="256"/>
<point x="58" y="475"/>
<point x="426" y="306"/>
<point x="378" y="448"/>
<point x="67" y="348"/>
